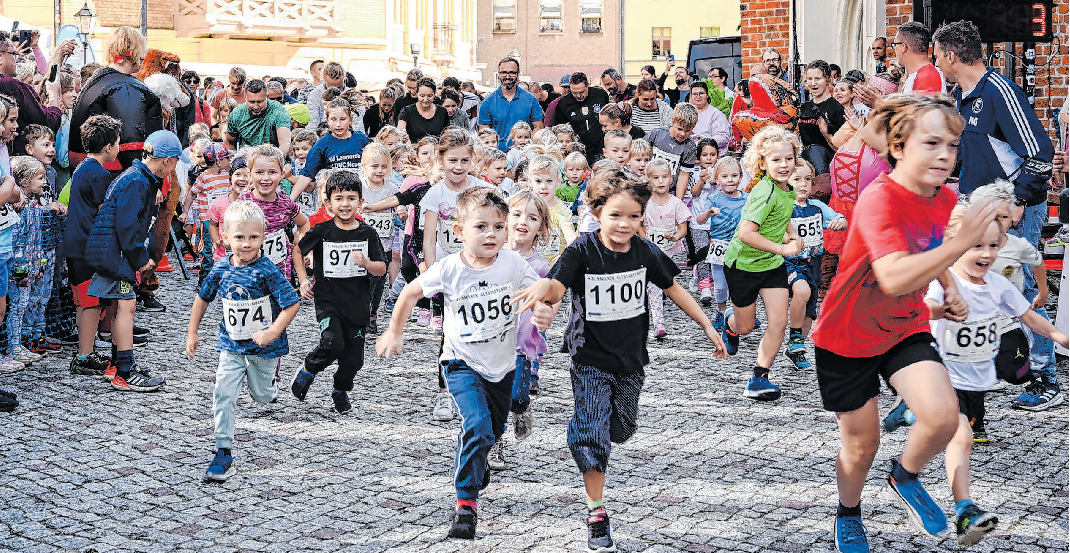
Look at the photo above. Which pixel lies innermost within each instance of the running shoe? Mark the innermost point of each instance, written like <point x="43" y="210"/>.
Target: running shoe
<point x="301" y="383"/>
<point x="496" y="456"/>
<point x="851" y="535"/>
<point x="109" y="374"/>
<point x="900" y="415"/>
<point x="731" y="341"/>
<point x="600" y="533"/>
<point x="705" y="297"/>
<point x="919" y="505"/>
<point x="973" y="524"/>
<point x="25" y="356"/>
<point x="980" y="436"/>
<point x="69" y="340"/>
<point x="9" y="395"/>
<point x="1056" y="245"/>
<point x="799" y="360"/>
<point x="436" y="323"/>
<point x="999" y="385"/>
<point x="796" y="344"/>
<point x="8" y="404"/>
<point x="150" y="304"/>
<point x="372" y="327"/>
<point x="464" y="524"/>
<point x="138" y="331"/>
<point x="659" y="332"/>
<point x="221" y="467"/>
<point x="719" y="321"/>
<point x="761" y="389"/>
<point x="137" y="381"/>
<point x="389" y="304"/>
<point x="423" y="317"/>
<point x="341" y="402"/>
<point x="533" y="387"/>
<point x="9" y="365"/>
<point x="93" y="364"/>
<point x="523" y="424"/>
<point x="1041" y="394"/>
<point x="443" y="410"/>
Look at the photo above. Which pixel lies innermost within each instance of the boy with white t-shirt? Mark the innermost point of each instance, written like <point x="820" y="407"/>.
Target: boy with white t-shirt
<point x="478" y="357"/>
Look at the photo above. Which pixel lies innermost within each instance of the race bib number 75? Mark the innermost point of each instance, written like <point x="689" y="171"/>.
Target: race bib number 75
<point x="274" y="247"/>
<point x="616" y="296"/>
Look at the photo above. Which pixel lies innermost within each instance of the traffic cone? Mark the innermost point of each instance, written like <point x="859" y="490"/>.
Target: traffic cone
<point x="164" y="266"/>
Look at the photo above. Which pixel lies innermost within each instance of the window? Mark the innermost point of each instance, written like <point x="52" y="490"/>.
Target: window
<point x="662" y="39"/>
<point x="504" y="16"/>
<point x="590" y="16"/>
<point x="707" y="32"/>
<point x="550" y="16"/>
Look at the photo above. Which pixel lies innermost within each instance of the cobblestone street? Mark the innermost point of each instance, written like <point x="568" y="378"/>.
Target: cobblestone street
<point x="89" y="468"/>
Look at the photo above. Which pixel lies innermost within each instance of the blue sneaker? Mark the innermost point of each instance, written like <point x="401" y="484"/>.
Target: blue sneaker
<point x="759" y="387"/>
<point x="799" y="360"/>
<point x="731" y="341"/>
<point x="900" y="415"/>
<point x="719" y="321"/>
<point x="851" y="535"/>
<point x="919" y="505"/>
<point x="221" y="468"/>
<point x="796" y="344"/>
<point x="1039" y="395"/>
<point x="389" y="304"/>
<point x="341" y="402"/>
<point x="301" y="383"/>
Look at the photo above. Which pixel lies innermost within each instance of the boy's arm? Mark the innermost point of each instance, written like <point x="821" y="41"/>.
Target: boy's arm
<point x="936" y="309"/>
<point x="299" y="186"/>
<point x="278" y="326"/>
<point x="682" y="178"/>
<point x="301" y="272"/>
<point x="683" y="299"/>
<point x="301" y="220"/>
<point x="213" y="230"/>
<point x="389" y="344"/>
<point x="381" y="205"/>
<point x="568" y="232"/>
<point x="546" y="290"/>
<point x="1040" y="273"/>
<point x="681" y="231"/>
<point x="1043" y="326"/>
<point x="195" y="316"/>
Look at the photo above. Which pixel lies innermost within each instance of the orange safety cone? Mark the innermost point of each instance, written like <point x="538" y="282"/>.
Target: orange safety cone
<point x="164" y="266"/>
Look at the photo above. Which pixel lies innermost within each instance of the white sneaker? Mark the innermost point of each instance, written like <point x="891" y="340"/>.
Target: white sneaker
<point x="443" y="410"/>
<point x="423" y="317"/>
<point x="496" y="456"/>
<point x="436" y="323"/>
<point x="706" y="297"/>
<point x="25" y="356"/>
<point x="9" y="365"/>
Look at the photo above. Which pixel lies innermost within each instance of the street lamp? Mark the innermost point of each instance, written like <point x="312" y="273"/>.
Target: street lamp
<point x="515" y="54"/>
<point x="86" y="21"/>
<point x="414" y="48"/>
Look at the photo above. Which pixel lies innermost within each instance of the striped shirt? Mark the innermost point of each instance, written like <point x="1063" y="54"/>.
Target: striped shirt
<point x="206" y="189"/>
<point x="660" y="118"/>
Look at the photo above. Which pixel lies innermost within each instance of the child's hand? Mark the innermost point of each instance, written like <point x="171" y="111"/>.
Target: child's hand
<point x="1061" y="339"/>
<point x="531" y="295"/>
<point x="389" y="344"/>
<point x="670" y="236"/>
<point x="264" y="337"/>
<point x="542" y="316"/>
<point x="192" y="341"/>
<point x="719" y="350"/>
<point x="714" y="211"/>
<point x="838" y="224"/>
<point x="306" y="289"/>
<point x="1040" y="301"/>
<point x="704" y="175"/>
<point x="359" y="259"/>
<point x="148" y="266"/>
<point x="308" y="261"/>
<point x="57" y="208"/>
<point x="794" y="246"/>
<point x="955" y="308"/>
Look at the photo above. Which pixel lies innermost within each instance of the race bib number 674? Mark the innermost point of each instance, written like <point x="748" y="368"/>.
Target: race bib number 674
<point x="243" y="318"/>
<point x="616" y="296"/>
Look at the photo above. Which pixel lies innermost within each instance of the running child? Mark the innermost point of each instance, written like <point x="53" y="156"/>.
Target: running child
<point x="564" y="133"/>
<point x="303" y="142"/>
<point x="212" y="184"/>
<point x="576" y="174"/>
<point x="665" y="221"/>
<point x="809" y="217"/>
<point x="478" y="359"/>
<point x="720" y="210"/>
<point x="702" y="183"/>
<point x="346" y="255"/>
<point x="239" y="185"/>
<point x="265" y="173"/>
<point x="754" y="262"/>
<point x="341" y="149"/>
<point x="389" y="136"/>
<point x="675" y="146"/>
<point x="489" y="138"/>
<point x="639" y="155"/>
<point x="875" y="323"/>
<point x="495" y="172"/>
<point x="376" y="167"/>
<point x="258" y="305"/>
<point x="545" y="178"/>
<point x="607" y="273"/>
<point x="519" y="137"/>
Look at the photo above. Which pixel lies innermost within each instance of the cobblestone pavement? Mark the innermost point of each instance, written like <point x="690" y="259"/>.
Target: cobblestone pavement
<point x="88" y="468"/>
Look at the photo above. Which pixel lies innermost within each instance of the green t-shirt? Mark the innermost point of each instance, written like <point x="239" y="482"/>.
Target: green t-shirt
<point x="770" y="207"/>
<point x="567" y="193"/>
<point x="254" y="131"/>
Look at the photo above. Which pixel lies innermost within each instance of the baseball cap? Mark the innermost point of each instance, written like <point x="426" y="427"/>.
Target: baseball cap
<point x="215" y="152"/>
<point x="299" y="113"/>
<point x="565" y="79"/>
<point x="166" y="144"/>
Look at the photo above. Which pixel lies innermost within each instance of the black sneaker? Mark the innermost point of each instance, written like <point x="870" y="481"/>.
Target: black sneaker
<point x="301" y="383"/>
<point x="7" y="394"/>
<point x="599" y="533"/>
<point x="372" y="326"/>
<point x="341" y="402"/>
<point x="8" y="404"/>
<point x="973" y="524"/>
<point x="140" y="340"/>
<point x="93" y="364"/>
<point x="137" y="381"/>
<point x="149" y="304"/>
<point x="69" y="340"/>
<point x="464" y="524"/>
<point x="140" y="331"/>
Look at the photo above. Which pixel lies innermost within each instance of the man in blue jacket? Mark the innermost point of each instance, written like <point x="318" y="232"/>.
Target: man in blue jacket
<point x="1003" y="139"/>
<point x="117" y="250"/>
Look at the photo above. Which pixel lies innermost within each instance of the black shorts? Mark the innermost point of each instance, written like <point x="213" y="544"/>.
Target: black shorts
<point x="743" y="286"/>
<point x="847" y="383"/>
<point x="78" y="272"/>
<point x="972" y="404"/>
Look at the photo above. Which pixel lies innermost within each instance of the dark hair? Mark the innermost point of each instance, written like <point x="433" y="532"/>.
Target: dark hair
<point x="521" y="168"/>
<point x="331" y="93"/>
<point x="700" y="84"/>
<point x="708" y="141"/>
<point x="343" y="180"/>
<point x="649" y="69"/>
<point x="547" y="87"/>
<point x="855" y="76"/>
<point x="612" y="73"/>
<point x="426" y="82"/>
<point x="449" y="94"/>
<point x="916" y="35"/>
<point x="961" y="38"/>
<point x="281" y="80"/>
<point x="833" y="68"/>
<point x="645" y="86"/>
<point x="255" y="86"/>
<point x="33" y="132"/>
<point x="350" y="80"/>
<point x="619" y="111"/>
<point x="479" y="196"/>
<point x="508" y="59"/>
<point x="191" y="76"/>
<point x="99" y="132"/>
<point x="606" y="184"/>
<point x="820" y="65"/>
<point x="313" y="64"/>
<point x="451" y="82"/>
<point x="720" y="72"/>
<point x="323" y="128"/>
<point x="578" y="77"/>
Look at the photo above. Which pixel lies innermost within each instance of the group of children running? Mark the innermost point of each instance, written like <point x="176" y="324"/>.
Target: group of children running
<point x="490" y="246"/>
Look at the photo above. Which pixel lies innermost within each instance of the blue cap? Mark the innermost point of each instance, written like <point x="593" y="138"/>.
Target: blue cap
<point x="565" y="79"/>
<point x="166" y="144"/>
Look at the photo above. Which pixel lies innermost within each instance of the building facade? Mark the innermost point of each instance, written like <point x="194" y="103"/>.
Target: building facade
<point x="654" y="29"/>
<point x="373" y="39"/>
<point x="552" y="37"/>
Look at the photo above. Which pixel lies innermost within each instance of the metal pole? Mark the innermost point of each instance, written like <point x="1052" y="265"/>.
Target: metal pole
<point x="178" y="253"/>
<point x="145" y="18"/>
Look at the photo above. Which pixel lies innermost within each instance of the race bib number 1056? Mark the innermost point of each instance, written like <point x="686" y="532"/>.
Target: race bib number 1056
<point x="484" y="313"/>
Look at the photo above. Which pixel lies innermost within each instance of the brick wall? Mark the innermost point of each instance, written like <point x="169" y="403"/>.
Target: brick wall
<point x="116" y="13"/>
<point x="161" y="14"/>
<point x="763" y="24"/>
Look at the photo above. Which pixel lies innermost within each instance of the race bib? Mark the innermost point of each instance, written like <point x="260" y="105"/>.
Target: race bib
<point x="306" y="202"/>
<point x="717" y="251"/>
<point x="552" y="246"/>
<point x="382" y="222"/>
<point x="339" y="261"/>
<point x="446" y="239"/>
<point x="274" y="247"/>
<point x="972" y="341"/>
<point x="657" y="236"/>
<point x="615" y="297"/>
<point x="809" y="229"/>
<point x="217" y="193"/>
<point x="243" y="318"/>
<point x="8" y="216"/>
<point x="1007" y="324"/>
<point x="484" y="313"/>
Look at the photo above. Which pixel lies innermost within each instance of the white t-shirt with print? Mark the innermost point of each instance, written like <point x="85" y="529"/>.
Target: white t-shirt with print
<point x="1013" y="257"/>
<point x="442" y="200"/>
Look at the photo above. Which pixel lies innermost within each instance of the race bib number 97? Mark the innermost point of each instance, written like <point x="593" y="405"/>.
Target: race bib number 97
<point x="972" y="341"/>
<point x="615" y="297"/>
<point x="339" y="260"/>
<point x="484" y="313"/>
<point x="274" y="247"/>
<point x="809" y="229"/>
<point x="243" y="318"/>
<point x="446" y="239"/>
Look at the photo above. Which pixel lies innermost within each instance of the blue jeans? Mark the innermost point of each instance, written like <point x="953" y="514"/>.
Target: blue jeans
<point x="484" y="409"/>
<point x="207" y="258"/>
<point x="233" y="370"/>
<point x="1041" y="348"/>
<point x="521" y="385"/>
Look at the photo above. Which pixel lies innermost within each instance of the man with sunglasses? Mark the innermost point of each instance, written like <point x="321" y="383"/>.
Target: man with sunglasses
<point x="192" y="82"/>
<point x="509" y="104"/>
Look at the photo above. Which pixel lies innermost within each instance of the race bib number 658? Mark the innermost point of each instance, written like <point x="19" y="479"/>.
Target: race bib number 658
<point x="972" y="341"/>
<point x="616" y="296"/>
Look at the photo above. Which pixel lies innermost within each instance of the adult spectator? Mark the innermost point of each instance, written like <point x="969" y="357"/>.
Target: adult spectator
<point x="469" y="101"/>
<point x="508" y="105"/>
<point x="31" y="110"/>
<point x="116" y="92"/>
<point x="316" y="70"/>
<point x="277" y="91"/>
<point x="721" y="94"/>
<point x="382" y="114"/>
<point x="1004" y="139"/>
<point x="546" y="94"/>
<point x="618" y="115"/>
<point x="820" y="117"/>
<point x="258" y="121"/>
<point x="235" y="91"/>
<point x="562" y="86"/>
<point x="204" y="112"/>
<point x="334" y="76"/>
<point x="649" y="113"/>
<point x="880" y="54"/>
<point x="470" y="88"/>
<point x="674" y="95"/>
<point x="412" y="81"/>
<point x="425" y="117"/>
<point x="911" y="47"/>
<point x="451" y="101"/>
<point x="773" y="63"/>
<point x="209" y="87"/>
<point x="615" y="85"/>
<point x="579" y="108"/>
<point x="648" y="73"/>
<point x="711" y="122"/>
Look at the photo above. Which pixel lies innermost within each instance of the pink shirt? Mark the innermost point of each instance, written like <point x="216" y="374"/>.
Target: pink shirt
<point x="215" y="215"/>
<point x="665" y="218"/>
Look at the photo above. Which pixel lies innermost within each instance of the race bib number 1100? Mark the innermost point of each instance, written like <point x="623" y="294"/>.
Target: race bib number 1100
<point x="616" y="296"/>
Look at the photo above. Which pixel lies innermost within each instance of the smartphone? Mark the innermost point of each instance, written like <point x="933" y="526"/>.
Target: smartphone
<point x="24" y="37"/>
<point x="53" y="74"/>
<point x="15" y="27"/>
<point x="745" y="87"/>
<point x="671" y="57"/>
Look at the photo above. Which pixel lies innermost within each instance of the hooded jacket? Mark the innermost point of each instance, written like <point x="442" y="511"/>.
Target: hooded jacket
<point x="125" y="98"/>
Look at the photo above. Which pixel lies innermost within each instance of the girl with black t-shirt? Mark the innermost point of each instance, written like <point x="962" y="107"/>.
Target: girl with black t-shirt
<point x="820" y="117"/>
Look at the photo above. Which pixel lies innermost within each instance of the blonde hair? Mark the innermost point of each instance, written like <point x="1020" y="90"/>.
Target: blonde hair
<point x="243" y="211"/>
<point x="386" y="132"/>
<point x="372" y="151"/>
<point x="24" y="168"/>
<point x="267" y="151"/>
<point x="657" y="163"/>
<point x="544" y="164"/>
<point x="454" y="137"/>
<point x="686" y="115"/>
<point x="576" y="159"/>
<point x="1000" y="189"/>
<point x="525" y="195"/>
<point x="544" y="136"/>
<point x="954" y="223"/>
<point x="125" y="43"/>
<point x="519" y="126"/>
<point x="641" y="147"/>
<point x="198" y="131"/>
<point x="724" y="164"/>
<point x="321" y="189"/>
<point x="763" y="144"/>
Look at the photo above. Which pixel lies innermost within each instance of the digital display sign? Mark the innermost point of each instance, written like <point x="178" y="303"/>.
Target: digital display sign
<point x="997" y="20"/>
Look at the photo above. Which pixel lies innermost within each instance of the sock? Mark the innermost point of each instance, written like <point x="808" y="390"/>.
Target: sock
<point x="843" y="511"/>
<point x="114" y="351"/>
<point x="796" y="331"/>
<point x="901" y="474"/>
<point x="124" y="361"/>
<point x="470" y="503"/>
<point x="82" y="357"/>
<point x="761" y="371"/>
<point x="596" y="512"/>
<point x="960" y="506"/>
<point x="592" y="505"/>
